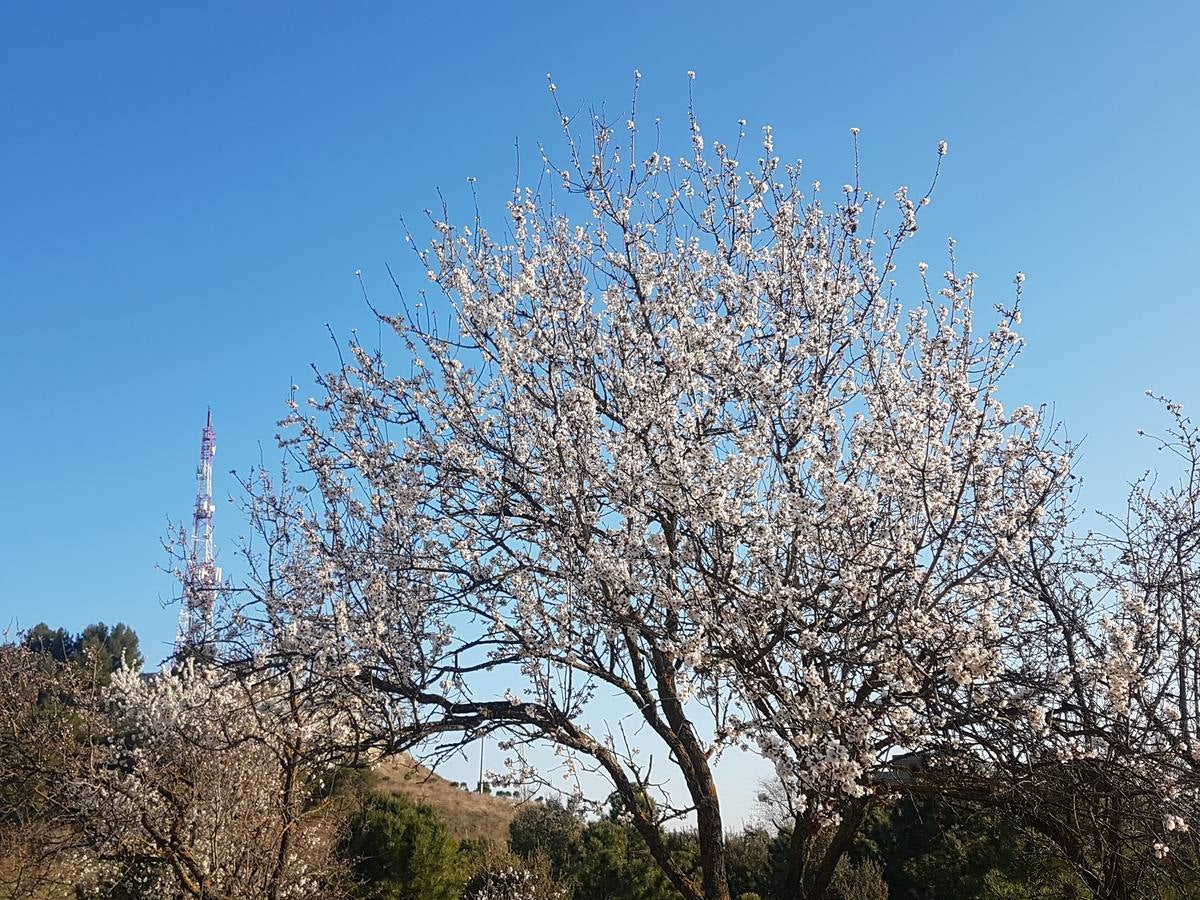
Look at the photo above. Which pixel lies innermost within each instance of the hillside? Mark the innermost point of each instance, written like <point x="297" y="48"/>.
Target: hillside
<point x="468" y="815"/>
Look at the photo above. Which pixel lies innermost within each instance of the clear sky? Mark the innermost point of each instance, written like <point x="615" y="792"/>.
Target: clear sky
<point x="187" y="189"/>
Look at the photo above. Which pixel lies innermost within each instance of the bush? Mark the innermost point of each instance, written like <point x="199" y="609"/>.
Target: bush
<point x="549" y="831"/>
<point x="748" y="863"/>
<point x="613" y="863"/>
<point x="931" y="848"/>
<point x="398" y="850"/>
<point x="861" y="880"/>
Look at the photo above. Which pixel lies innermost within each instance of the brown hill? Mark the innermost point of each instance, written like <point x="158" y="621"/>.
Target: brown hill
<point x="468" y="814"/>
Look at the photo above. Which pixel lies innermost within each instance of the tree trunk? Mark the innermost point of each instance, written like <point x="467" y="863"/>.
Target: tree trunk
<point x="798" y="885"/>
<point x="712" y="839"/>
<point x="852" y="819"/>
<point x="793" y="877"/>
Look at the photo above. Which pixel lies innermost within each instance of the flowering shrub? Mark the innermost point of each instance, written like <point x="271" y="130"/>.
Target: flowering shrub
<point x="208" y="782"/>
<point x="510" y="883"/>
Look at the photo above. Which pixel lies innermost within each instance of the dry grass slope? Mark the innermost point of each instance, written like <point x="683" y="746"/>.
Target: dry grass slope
<point x="468" y="815"/>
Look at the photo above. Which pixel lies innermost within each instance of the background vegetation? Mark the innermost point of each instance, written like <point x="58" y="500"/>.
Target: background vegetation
<point x="405" y="832"/>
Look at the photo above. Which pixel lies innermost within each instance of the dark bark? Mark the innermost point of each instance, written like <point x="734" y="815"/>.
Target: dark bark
<point x="800" y="882"/>
<point x="843" y="837"/>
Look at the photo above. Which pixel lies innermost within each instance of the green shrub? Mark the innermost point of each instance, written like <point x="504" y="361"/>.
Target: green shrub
<point x="861" y="880"/>
<point x="748" y="863"/>
<point x="399" y="850"/>
<point x="614" y="863"/>
<point x="549" y="831"/>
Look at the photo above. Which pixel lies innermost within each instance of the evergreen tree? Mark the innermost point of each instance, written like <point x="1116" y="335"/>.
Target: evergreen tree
<point x="614" y="863"/>
<point x="57" y="643"/>
<point x="931" y="850"/>
<point x="98" y="648"/>
<point x="106" y="647"/>
<point x="400" y="850"/>
<point x="549" y="831"/>
<point x="748" y="861"/>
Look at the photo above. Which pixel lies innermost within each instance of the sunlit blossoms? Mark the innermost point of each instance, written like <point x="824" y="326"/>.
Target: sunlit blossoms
<point x="210" y="783"/>
<point x="510" y="884"/>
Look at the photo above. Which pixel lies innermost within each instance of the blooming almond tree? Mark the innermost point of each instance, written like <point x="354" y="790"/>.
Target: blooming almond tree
<point x="211" y="785"/>
<point x="674" y="441"/>
<point x="1088" y="736"/>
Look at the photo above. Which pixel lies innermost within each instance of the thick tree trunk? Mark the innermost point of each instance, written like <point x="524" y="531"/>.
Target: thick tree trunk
<point x="711" y="835"/>
<point x="842" y="839"/>
<point x="799" y="884"/>
<point x="793" y="877"/>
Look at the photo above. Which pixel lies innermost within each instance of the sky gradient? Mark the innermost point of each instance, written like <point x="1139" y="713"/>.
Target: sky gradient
<point x="186" y="193"/>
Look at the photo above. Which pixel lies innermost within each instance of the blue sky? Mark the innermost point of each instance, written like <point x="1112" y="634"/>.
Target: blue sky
<point x="187" y="190"/>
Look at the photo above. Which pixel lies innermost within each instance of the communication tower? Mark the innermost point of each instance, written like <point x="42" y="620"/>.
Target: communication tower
<point x="202" y="577"/>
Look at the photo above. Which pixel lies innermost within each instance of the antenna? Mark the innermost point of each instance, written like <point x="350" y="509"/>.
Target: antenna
<point x="202" y="578"/>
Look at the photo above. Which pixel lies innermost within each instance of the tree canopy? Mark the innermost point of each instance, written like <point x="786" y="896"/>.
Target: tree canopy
<point x="104" y="648"/>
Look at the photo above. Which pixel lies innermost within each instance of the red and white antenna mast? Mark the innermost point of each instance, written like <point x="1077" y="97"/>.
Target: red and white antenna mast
<point x="202" y="579"/>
